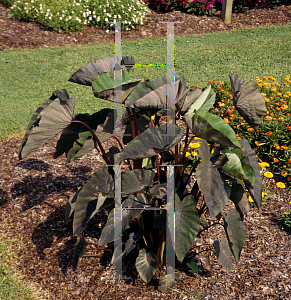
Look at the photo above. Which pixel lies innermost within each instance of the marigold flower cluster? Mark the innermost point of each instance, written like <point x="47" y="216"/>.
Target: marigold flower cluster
<point x="272" y="138"/>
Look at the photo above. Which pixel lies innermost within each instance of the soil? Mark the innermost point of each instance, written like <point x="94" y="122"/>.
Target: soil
<point x="34" y="192"/>
<point x="16" y="34"/>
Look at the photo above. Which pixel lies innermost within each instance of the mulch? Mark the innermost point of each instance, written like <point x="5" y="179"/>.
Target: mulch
<point x="33" y="194"/>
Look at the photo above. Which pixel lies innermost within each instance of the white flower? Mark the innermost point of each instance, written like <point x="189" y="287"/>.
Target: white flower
<point x="106" y="19"/>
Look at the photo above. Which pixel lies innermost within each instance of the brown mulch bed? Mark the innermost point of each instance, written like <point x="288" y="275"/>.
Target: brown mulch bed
<point x="19" y="34"/>
<point x="33" y="194"/>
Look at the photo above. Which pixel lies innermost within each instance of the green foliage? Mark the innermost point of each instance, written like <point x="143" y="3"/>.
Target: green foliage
<point x="272" y="140"/>
<point x="225" y="165"/>
<point x="10" y="288"/>
<point x="286" y="221"/>
<point x="74" y="15"/>
<point x="7" y="2"/>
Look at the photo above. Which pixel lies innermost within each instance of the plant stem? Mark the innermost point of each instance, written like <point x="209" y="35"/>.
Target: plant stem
<point x="96" y="139"/>
<point x="225" y="113"/>
<point x="177" y="162"/>
<point x="206" y="228"/>
<point x="131" y="123"/>
<point x="119" y="143"/>
<point x="158" y="169"/>
<point x="136" y="122"/>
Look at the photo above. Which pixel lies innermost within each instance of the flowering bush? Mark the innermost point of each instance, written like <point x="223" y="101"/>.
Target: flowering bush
<point x="199" y="7"/>
<point x="74" y="15"/>
<point x="272" y="139"/>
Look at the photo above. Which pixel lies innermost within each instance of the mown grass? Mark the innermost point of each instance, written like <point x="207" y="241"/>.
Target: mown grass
<point x="29" y="77"/>
<point x="10" y="287"/>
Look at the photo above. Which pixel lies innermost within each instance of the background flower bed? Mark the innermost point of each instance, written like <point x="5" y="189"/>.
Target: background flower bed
<point x="74" y="15"/>
<point x="271" y="140"/>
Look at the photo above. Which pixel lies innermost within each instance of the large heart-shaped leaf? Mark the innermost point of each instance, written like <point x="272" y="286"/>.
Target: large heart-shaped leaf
<point x="167" y="282"/>
<point x="250" y="159"/>
<point x="249" y="102"/>
<point x="186" y="101"/>
<point x="146" y="264"/>
<point x="71" y="205"/>
<point x="159" y="191"/>
<point x="236" y="232"/>
<point x="239" y="198"/>
<point x="104" y="85"/>
<point x="153" y="94"/>
<point x="236" y="85"/>
<point x="54" y="115"/>
<point x="233" y="166"/>
<point x="127" y="247"/>
<point x="87" y="74"/>
<point x="223" y="254"/>
<point x="204" y="102"/>
<point x="186" y="225"/>
<point x="211" y="182"/>
<point x="212" y="128"/>
<point x="102" y="123"/>
<point x="151" y="142"/>
<point x="91" y="198"/>
<point x="136" y="180"/>
<point x="70" y="134"/>
<point x="132" y="203"/>
<point x="79" y="252"/>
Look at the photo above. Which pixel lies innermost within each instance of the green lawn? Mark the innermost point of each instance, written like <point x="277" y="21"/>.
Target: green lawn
<point x="29" y="77"/>
<point x="10" y="288"/>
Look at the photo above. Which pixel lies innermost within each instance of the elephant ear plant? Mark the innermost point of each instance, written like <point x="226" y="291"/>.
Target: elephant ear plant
<point x="226" y="168"/>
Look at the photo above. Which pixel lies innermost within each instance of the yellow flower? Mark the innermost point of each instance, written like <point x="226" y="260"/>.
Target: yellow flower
<point x="268" y="174"/>
<point x="273" y="89"/>
<point x="194" y="153"/>
<point x="187" y="154"/>
<point x="153" y="117"/>
<point x="262" y="165"/>
<point x="290" y="202"/>
<point x="266" y="164"/>
<point x="251" y="199"/>
<point x="197" y="138"/>
<point x="280" y="185"/>
<point x="194" y="145"/>
<point x="263" y="194"/>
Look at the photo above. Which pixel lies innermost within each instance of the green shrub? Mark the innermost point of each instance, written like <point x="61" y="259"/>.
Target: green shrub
<point x="7" y="2"/>
<point x="286" y="221"/>
<point x="224" y="169"/>
<point x="74" y="15"/>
